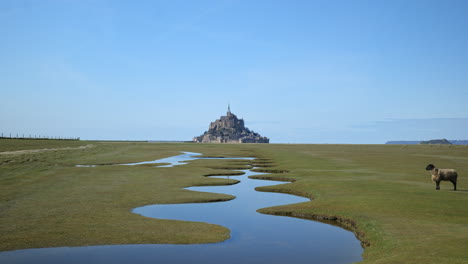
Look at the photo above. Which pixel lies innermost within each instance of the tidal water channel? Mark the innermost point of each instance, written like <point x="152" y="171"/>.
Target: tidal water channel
<point x="255" y="237"/>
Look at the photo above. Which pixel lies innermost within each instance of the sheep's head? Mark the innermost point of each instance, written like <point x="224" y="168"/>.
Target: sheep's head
<point x="430" y="167"/>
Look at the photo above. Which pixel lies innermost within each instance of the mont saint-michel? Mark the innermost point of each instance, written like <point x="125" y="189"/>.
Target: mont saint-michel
<point x="230" y="129"/>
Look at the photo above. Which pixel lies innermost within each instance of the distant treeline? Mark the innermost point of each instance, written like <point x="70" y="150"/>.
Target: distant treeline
<point x="434" y="141"/>
<point x="23" y="136"/>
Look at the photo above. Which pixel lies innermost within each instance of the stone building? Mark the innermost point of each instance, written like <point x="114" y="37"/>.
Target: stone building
<point x="230" y="129"/>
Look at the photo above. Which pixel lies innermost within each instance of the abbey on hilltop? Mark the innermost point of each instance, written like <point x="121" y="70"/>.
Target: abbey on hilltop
<point x="230" y="129"/>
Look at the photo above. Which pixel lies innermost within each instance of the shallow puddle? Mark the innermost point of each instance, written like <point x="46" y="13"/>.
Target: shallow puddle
<point x="255" y="237"/>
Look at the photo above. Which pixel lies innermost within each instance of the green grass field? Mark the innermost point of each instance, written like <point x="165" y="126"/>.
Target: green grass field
<point x="382" y="192"/>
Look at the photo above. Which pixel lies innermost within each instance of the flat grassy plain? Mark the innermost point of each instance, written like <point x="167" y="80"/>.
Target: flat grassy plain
<point x="381" y="192"/>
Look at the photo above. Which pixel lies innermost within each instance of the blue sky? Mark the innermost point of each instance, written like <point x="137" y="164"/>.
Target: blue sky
<point x="296" y="71"/>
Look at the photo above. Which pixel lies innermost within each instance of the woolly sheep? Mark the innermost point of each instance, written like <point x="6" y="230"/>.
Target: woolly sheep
<point x="439" y="175"/>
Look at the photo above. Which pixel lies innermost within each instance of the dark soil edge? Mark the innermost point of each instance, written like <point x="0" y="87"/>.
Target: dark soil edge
<point x="345" y="223"/>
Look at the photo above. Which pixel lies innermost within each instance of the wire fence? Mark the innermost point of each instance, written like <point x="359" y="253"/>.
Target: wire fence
<point x="31" y="136"/>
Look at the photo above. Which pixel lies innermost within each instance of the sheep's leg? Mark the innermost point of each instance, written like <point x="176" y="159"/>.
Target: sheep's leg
<point x="437" y="185"/>
<point x="454" y="185"/>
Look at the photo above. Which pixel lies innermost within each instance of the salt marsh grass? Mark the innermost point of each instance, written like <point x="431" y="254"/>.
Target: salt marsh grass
<point x="382" y="192"/>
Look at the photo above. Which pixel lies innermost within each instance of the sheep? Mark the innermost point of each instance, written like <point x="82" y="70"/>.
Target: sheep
<point x="439" y="175"/>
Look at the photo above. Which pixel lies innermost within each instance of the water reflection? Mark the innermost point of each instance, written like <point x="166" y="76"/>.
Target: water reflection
<point x="180" y="159"/>
<point x="259" y="238"/>
<point x="173" y="161"/>
<point x="255" y="237"/>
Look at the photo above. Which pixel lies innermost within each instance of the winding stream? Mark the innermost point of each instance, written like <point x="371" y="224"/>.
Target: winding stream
<point x="255" y="237"/>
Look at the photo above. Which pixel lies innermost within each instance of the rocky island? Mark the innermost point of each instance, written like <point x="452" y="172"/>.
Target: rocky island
<point x="230" y="129"/>
<point x="436" y="141"/>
